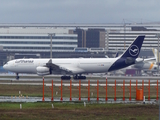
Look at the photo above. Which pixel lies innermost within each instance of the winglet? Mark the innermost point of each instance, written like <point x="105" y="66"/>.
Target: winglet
<point x="117" y="54"/>
<point x="155" y="52"/>
<point x="134" y="49"/>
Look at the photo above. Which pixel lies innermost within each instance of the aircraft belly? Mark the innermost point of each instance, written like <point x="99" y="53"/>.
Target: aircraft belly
<point x="95" y="68"/>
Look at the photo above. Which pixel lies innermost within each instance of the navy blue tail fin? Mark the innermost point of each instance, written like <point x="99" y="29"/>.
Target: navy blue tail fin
<point x="134" y="49"/>
<point x="129" y="56"/>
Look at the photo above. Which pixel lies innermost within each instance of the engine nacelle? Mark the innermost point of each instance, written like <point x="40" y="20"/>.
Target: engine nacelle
<point x="146" y="66"/>
<point x="154" y="68"/>
<point x="139" y="65"/>
<point x="149" y="66"/>
<point x="43" y="71"/>
<point x="138" y="60"/>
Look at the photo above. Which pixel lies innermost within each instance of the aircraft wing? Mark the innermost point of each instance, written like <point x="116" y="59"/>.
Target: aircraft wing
<point x="71" y="70"/>
<point x="149" y="59"/>
<point x="63" y="68"/>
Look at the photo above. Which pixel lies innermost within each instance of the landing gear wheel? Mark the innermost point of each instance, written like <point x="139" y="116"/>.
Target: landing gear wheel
<point x="17" y="77"/>
<point x="65" y="77"/>
<point x="76" y="77"/>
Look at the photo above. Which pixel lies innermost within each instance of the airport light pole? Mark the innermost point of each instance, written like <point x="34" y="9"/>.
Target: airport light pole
<point x="158" y="71"/>
<point x="158" y="35"/>
<point x="51" y="34"/>
<point x="158" y="54"/>
<point x="124" y="35"/>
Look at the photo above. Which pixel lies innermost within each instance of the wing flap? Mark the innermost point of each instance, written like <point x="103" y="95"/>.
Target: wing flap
<point x="67" y="69"/>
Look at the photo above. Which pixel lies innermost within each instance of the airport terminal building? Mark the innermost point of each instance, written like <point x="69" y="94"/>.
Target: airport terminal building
<point x="38" y="42"/>
<point x="73" y="40"/>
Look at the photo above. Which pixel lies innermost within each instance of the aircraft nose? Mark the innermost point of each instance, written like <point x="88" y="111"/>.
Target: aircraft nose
<point x="5" y="66"/>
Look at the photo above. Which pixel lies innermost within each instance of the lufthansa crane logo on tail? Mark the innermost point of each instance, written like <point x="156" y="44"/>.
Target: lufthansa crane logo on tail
<point x="133" y="50"/>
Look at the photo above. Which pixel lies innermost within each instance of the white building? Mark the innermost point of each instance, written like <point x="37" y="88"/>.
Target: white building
<point x="36" y="39"/>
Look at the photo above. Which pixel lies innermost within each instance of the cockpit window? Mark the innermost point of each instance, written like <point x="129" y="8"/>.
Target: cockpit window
<point x="5" y="63"/>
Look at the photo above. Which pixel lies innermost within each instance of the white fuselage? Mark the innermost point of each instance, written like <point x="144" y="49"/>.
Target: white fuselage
<point x="81" y="65"/>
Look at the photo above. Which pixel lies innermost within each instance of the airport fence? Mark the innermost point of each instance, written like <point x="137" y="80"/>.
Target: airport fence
<point x="115" y="89"/>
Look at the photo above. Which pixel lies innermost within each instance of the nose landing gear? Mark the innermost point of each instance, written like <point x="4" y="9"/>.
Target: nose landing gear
<point x="17" y="77"/>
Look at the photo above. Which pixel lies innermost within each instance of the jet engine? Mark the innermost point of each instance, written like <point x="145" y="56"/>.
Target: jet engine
<point x="138" y="60"/>
<point x="43" y="71"/>
<point x="147" y="66"/>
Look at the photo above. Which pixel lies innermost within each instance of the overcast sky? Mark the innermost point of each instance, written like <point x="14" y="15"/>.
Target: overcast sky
<point x="79" y="11"/>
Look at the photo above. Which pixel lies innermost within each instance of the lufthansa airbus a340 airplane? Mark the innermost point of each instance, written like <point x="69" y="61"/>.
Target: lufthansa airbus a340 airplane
<point x="77" y="66"/>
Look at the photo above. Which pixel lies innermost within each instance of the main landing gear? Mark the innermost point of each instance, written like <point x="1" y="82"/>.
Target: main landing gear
<point x="65" y="77"/>
<point x="17" y="77"/>
<point x="76" y="77"/>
